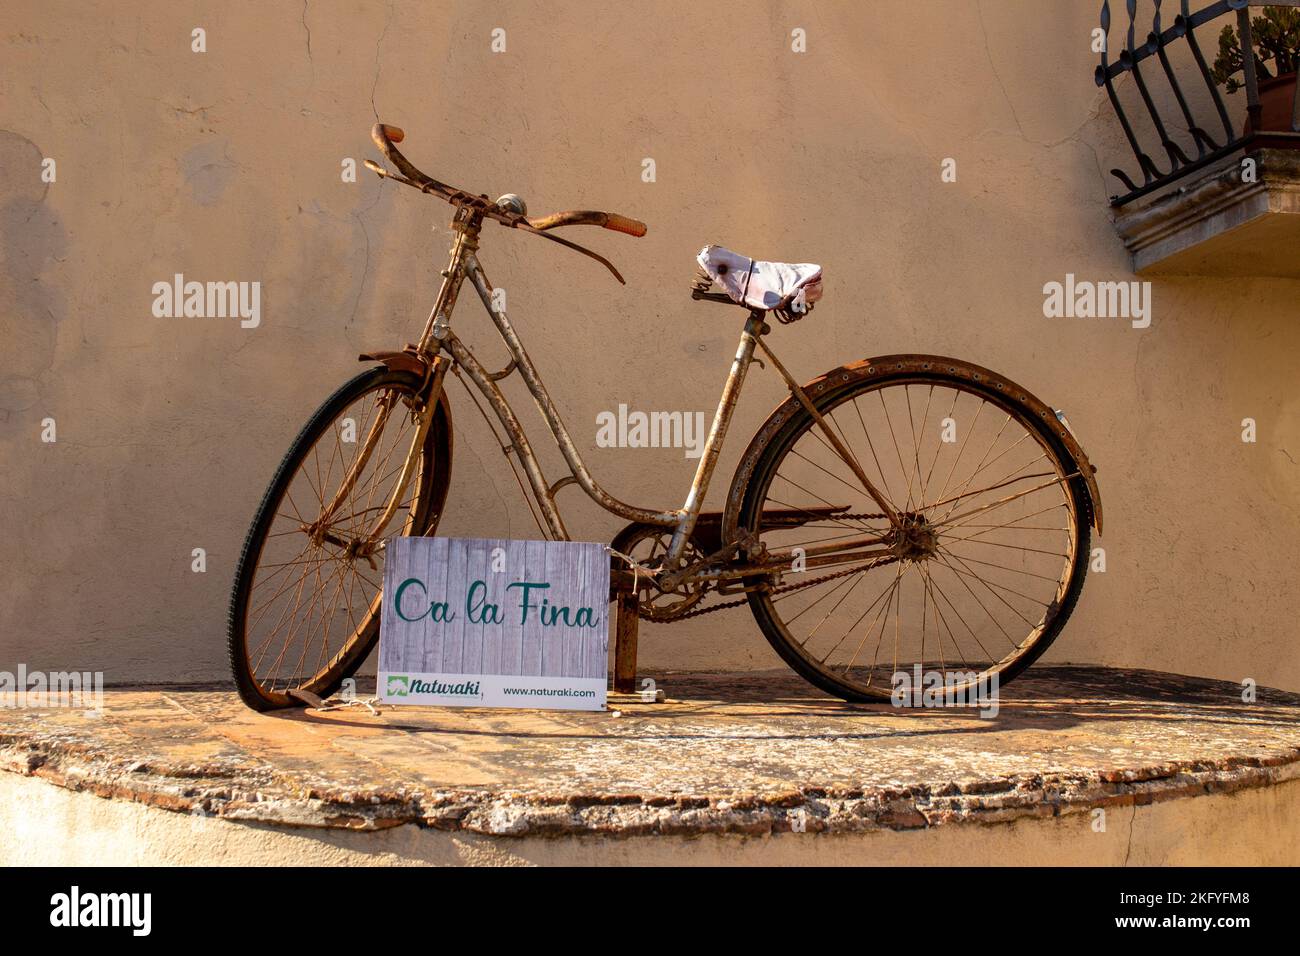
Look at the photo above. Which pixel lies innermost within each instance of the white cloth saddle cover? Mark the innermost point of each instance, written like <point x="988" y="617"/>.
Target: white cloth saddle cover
<point x="762" y="285"/>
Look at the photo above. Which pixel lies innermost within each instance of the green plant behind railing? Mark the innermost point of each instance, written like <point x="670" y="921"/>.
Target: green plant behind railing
<point x="1276" y="36"/>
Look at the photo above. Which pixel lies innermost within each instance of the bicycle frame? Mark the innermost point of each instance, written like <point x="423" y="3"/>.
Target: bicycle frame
<point x="438" y="340"/>
<point x="799" y="499"/>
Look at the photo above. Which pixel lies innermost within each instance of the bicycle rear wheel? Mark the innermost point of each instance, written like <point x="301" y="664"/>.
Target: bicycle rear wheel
<point x="992" y="557"/>
<point x="304" y="612"/>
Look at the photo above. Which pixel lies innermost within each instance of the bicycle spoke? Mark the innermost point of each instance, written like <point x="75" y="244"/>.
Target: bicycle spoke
<point x="916" y="445"/>
<point x="954" y="522"/>
<point x="939" y="444"/>
<point x="988" y="488"/>
<point x="894" y="438"/>
<point x="1003" y="567"/>
<point x="854" y="488"/>
<point x="850" y="461"/>
<point x="884" y="479"/>
<point x="1014" y="523"/>
<point x="858" y="525"/>
<point x="977" y="600"/>
<point x="889" y="588"/>
<point x="1012" y="547"/>
<point x="834" y="422"/>
<point x="998" y="458"/>
<point x="990" y="585"/>
<point x="295" y="627"/>
<point x="938" y="633"/>
<point x="856" y="579"/>
<point x="980" y="466"/>
<point x="952" y="607"/>
<point x="812" y="589"/>
<point x="265" y="646"/>
<point x="960" y="498"/>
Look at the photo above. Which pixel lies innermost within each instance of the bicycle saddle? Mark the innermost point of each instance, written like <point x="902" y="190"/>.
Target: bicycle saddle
<point x="762" y="285"/>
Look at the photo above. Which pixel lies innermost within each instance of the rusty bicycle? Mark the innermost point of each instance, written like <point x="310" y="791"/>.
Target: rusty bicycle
<point x="898" y="513"/>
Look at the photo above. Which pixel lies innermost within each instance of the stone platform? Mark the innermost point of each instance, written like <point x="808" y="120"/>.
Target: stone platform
<point x="755" y="767"/>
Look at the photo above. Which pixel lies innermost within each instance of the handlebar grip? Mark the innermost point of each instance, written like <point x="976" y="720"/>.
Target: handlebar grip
<point x="383" y="130"/>
<point x="633" y="227"/>
<point x="385" y="137"/>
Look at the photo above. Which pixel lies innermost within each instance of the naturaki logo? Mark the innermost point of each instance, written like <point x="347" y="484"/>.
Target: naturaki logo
<point x="402" y="685"/>
<point x="399" y="685"/>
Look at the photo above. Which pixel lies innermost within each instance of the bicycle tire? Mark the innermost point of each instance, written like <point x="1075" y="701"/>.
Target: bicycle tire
<point x="779" y="446"/>
<point x="430" y="498"/>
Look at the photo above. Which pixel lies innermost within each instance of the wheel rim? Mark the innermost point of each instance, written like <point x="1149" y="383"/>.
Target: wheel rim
<point x="313" y="598"/>
<point x="977" y="577"/>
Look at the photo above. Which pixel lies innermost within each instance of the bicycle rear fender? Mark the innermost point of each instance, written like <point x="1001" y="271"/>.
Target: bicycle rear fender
<point x="890" y="366"/>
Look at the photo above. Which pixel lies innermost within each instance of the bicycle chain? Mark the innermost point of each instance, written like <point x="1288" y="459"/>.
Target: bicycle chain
<point x="792" y="587"/>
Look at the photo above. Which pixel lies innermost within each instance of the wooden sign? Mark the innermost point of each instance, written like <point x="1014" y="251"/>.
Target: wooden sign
<point x="469" y="622"/>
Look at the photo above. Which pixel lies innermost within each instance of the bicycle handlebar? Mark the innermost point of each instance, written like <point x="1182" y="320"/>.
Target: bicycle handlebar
<point x="590" y="217"/>
<point x="386" y="137"/>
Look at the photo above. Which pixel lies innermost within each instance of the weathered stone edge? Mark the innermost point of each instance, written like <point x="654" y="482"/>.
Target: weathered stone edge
<point x="234" y="791"/>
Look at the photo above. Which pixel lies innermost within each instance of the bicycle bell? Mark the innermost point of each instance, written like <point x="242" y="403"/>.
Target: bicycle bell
<point x="512" y="202"/>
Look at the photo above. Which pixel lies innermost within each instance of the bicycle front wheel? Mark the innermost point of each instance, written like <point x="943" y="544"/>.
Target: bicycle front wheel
<point x="305" y="608"/>
<point x="989" y="561"/>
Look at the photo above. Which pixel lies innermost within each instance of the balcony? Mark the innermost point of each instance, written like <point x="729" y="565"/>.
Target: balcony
<point x="1221" y="196"/>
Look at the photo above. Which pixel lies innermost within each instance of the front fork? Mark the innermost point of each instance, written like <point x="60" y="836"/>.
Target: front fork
<point x="423" y="407"/>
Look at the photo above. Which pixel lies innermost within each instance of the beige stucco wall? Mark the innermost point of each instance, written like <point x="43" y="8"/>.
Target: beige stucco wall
<point x="225" y="166"/>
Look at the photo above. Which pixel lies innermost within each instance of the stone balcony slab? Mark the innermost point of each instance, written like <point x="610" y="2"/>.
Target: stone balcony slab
<point x="1221" y="224"/>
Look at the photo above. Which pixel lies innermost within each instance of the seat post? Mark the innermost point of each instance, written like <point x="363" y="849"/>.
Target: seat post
<point x="717" y="433"/>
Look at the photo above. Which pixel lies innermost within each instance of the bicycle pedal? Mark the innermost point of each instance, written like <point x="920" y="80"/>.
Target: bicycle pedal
<point x="306" y="696"/>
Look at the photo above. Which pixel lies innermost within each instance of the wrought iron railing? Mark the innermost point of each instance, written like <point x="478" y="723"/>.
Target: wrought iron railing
<point x="1206" y="147"/>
